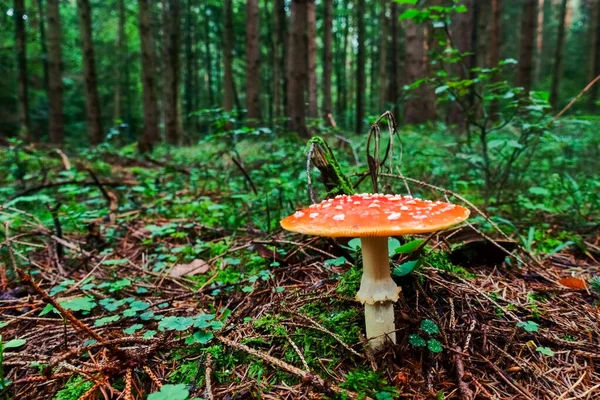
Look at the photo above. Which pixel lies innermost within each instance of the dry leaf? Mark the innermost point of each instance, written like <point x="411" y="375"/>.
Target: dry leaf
<point x="573" y="283"/>
<point x="194" y="268"/>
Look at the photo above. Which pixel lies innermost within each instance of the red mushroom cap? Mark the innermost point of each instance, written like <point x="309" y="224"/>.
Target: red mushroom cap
<point x="362" y="215"/>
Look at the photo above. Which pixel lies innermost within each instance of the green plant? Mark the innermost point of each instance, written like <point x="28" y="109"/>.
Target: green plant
<point x="430" y="328"/>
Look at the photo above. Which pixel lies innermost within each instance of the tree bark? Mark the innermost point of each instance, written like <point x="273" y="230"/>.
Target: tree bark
<point x="297" y="68"/>
<point x="278" y="58"/>
<point x="395" y="76"/>
<point x="383" y="43"/>
<point x="558" y="54"/>
<point x="252" y="60"/>
<point x="190" y="87"/>
<point x="528" y="25"/>
<point x="227" y="57"/>
<point x="21" y="50"/>
<point x="120" y="64"/>
<point x="43" y="44"/>
<point x="55" y="95"/>
<point x="415" y="110"/>
<point x="171" y="24"/>
<point x="151" y="134"/>
<point x="495" y="33"/>
<point x="494" y="53"/>
<point x="327" y="60"/>
<point x="208" y="58"/>
<point x="596" y="70"/>
<point x="360" y="67"/>
<point x="311" y="19"/>
<point x="95" y="133"/>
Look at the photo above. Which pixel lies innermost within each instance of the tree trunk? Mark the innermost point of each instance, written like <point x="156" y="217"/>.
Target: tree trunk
<point x="360" y="67"/>
<point x="528" y="25"/>
<point x="227" y="57"/>
<point x="190" y="87"/>
<point x="327" y="60"/>
<point x="394" y="61"/>
<point x="171" y="24"/>
<point x="151" y="134"/>
<point x="95" y="133"/>
<point x="494" y="53"/>
<point x="21" y="50"/>
<point x="383" y="43"/>
<point x="311" y="20"/>
<point x="55" y="95"/>
<point x="208" y="58"/>
<point x="297" y="68"/>
<point x="539" y="42"/>
<point x="342" y="87"/>
<point x="596" y="70"/>
<point x="252" y="60"/>
<point x="415" y="110"/>
<point x="482" y="33"/>
<point x="278" y="61"/>
<point x="495" y="33"/>
<point x="558" y="55"/>
<point x="120" y="64"/>
<point x="43" y="44"/>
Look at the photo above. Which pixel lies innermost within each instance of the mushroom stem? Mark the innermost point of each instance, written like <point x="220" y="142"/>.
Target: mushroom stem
<point x="378" y="291"/>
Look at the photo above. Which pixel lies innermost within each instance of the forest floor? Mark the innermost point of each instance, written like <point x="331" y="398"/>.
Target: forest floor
<point x="125" y="276"/>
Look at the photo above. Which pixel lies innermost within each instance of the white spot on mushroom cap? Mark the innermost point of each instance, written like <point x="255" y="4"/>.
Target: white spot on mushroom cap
<point x="314" y="215"/>
<point x="326" y="205"/>
<point x="339" y="217"/>
<point x="339" y="208"/>
<point x="393" y="216"/>
<point x="356" y="203"/>
<point x="298" y="214"/>
<point x="374" y="205"/>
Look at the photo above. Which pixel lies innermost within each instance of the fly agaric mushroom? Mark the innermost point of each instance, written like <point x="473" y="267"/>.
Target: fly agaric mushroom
<point x="372" y="218"/>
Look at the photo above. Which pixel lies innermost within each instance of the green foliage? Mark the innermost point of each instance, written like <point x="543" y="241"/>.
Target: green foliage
<point x="75" y="387"/>
<point x="545" y="351"/>
<point x="171" y="392"/>
<point x="429" y="327"/>
<point x="528" y="326"/>
<point x="368" y="382"/>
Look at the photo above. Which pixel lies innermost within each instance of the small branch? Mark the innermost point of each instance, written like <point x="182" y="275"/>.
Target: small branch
<point x="314" y="380"/>
<point x="463" y="386"/>
<point x="207" y="378"/>
<point x="248" y="179"/>
<point x="585" y="89"/>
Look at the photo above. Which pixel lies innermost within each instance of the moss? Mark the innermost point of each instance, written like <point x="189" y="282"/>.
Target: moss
<point x="75" y="387"/>
<point x="441" y="260"/>
<point x="349" y="282"/>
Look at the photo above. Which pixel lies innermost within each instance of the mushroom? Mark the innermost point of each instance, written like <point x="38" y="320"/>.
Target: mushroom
<point x="372" y="218"/>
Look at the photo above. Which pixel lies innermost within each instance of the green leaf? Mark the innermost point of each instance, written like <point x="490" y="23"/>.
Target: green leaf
<point x="149" y="334"/>
<point x="545" y="351"/>
<point x="441" y="89"/>
<point x="107" y="320"/>
<point x="171" y="392"/>
<point x="409" y="14"/>
<point x="539" y="191"/>
<point x="393" y="243"/>
<point x="115" y="262"/>
<point x="203" y="337"/>
<point x="416" y="340"/>
<point x="133" y="328"/>
<point x="461" y="9"/>
<point x="336" y="262"/>
<point x="12" y="344"/>
<point x="434" y="346"/>
<point x="529" y="326"/>
<point x="405" y="268"/>
<point x="354" y="244"/>
<point x="429" y="326"/>
<point x="406" y="1"/>
<point x="175" y="323"/>
<point x="409" y="247"/>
